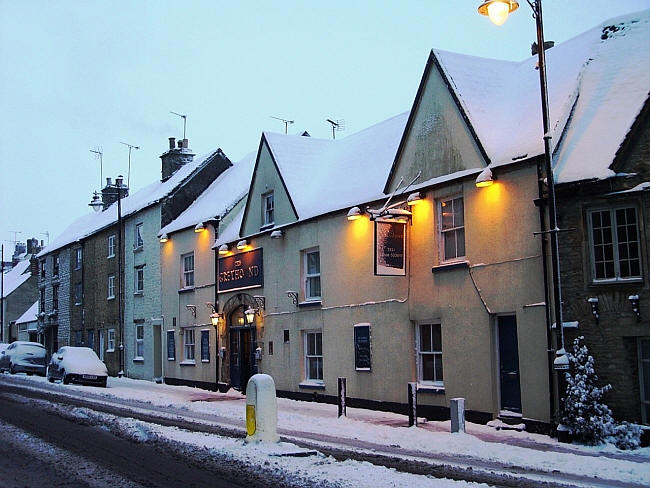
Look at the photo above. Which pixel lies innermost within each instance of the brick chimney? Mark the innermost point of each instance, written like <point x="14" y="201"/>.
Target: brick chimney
<point x="109" y="193"/>
<point x="175" y="157"/>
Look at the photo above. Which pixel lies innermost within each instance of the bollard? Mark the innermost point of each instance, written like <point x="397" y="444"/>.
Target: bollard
<point x="413" y="404"/>
<point x="342" y="394"/>
<point x="457" y="408"/>
<point x="261" y="409"/>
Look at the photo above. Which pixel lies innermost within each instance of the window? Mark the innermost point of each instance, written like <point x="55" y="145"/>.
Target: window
<point x="139" y="280"/>
<point x="55" y="268"/>
<point x="644" y="373"/>
<point x="270" y="348"/>
<point x="429" y="347"/>
<point x="268" y="207"/>
<point x="171" y="346"/>
<point x="139" y="341"/>
<point x="78" y="255"/>
<point x="111" y="246"/>
<point x="111" y="287"/>
<point x="78" y="338"/>
<point x="311" y="267"/>
<point x="42" y="301"/>
<point x="188" y="344"/>
<point x="42" y="268"/>
<point x="314" y="356"/>
<point x="101" y="344"/>
<point x="78" y="293"/>
<point x="91" y="339"/>
<point x="187" y="279"/>
<point x="205" y="346"/>
<point x="110" y="347"/>
<point x="614" y="243"/>
<point x="55" y="297"/>
<point x="286" y="336"/>
<point x="452" y="229"/>
<point x="137" y="238"/>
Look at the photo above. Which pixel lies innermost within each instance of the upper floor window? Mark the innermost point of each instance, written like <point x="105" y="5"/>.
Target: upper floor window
<point x="111" y="246"/>
<point x="451" y="229"/>
<point x="78" y="293"/>
<point x="139" y="280"/>
<point x="429" y="348"/>
<point x="268" y="207"/>
<point x="137" y="238"/>
<point x="55" y="297"/>
<point x="42" y="263"/>
<point x="111" y="287"/>
<point x="78" y="258"/>
<point x="42" y="300"/>
<point x="187" y="278"/>
<point x="614" y="244"/>
<point x="311" y="271"/>
<point x="55" y="267"/>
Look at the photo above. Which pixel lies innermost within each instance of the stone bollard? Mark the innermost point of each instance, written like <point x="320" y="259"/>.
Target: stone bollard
<point x="413" y="404"/>
<point x="261" y="409"/>
<point x="341" y="396"/>
<point x="457" y="408"/>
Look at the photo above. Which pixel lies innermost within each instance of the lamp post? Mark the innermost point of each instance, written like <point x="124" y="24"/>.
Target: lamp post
<point x="498" y="11"/>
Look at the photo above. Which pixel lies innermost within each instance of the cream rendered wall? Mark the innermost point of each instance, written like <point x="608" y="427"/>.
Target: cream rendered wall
<point x="266" y="178"/>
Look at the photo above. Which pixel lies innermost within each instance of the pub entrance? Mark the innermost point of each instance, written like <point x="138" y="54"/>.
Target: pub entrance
<point x="242" y="341"/>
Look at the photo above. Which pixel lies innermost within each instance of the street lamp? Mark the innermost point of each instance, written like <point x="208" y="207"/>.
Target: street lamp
<point x="498" y="11"/>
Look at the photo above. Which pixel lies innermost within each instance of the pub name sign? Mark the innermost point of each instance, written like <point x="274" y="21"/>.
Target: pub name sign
<point x="241" y="271"/>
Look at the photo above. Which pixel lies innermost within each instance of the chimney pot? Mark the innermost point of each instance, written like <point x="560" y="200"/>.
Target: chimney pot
<point x="180" y="144"/>
<point x="108" y="181"/>
<point x="185" y="144"/>
<point x="172" y="142"/>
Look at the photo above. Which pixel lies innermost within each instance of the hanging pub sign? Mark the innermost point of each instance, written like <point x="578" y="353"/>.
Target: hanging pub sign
<point x="390" y="248"/>
<point x="241" y="271"/>
<point x="362" y="347"/>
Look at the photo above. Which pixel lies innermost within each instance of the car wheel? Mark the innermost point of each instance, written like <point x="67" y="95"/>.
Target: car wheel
<point x="12" y="370"/>
<point x="50" y="379"/>
<point x="64" y="379"/>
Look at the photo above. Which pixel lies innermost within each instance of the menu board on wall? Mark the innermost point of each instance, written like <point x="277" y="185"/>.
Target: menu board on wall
<point x="362" y="359"/>
<point x="390" y="248"/>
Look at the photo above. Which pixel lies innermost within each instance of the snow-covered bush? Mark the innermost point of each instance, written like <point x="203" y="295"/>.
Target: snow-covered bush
<point x="587" y="417"/>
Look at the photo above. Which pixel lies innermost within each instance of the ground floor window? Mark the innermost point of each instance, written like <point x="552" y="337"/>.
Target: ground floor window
<point x="171" y="345"/>
<point x="429" y="348"/>
<point x="101" y="343"/>
<point x="139" y="341"/>
<point x="644" y="374"/>
<point x="188" y="342"/>
<point x="110" y="347"/>
<point x="205" y="346"/>
<point x="91" y="339"/>
<point x="314" y="356"/>
<point x="78" y="338"/>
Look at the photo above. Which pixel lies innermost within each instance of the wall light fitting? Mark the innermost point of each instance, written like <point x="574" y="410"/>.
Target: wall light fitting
<point x="485" y="178"/>
<point x="224" y="249"/>
<point x="164" y="238"/>
<point x="243" y="244"/>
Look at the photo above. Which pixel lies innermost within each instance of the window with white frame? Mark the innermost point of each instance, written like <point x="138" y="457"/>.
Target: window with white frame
<point x="55" y="267"/>
<point x="139" y="280"/>
<point x="614" y="244"/>
<point x="429" y="348"/>
<point x="78" y="254"/>
<point x="137" y="238"/>
<point x="187" y="278"/>
<point x="78" y="293"/>
<point x="139" y="341"/>
<point x="110" y="340"/>
<point x="311" y="271"/>
<point x="111" y="287"/>
<point x="111" y="246"/>
<point x="451" y="229"/>
<point x="268" y="207"/>
<point x="644" y="374"/>
<point x="188" y="344"/>
<point x="314" y="356"/>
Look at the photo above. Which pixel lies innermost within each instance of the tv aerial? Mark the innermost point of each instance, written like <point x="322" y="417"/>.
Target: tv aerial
<point x="286" y="122"/>
<point x="184" y="117"/>
<point x="337" y="125"/>
<point x="99" y="155"/>
<point x="130" y="146"/>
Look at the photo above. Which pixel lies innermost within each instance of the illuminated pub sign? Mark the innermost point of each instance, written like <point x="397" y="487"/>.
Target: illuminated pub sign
<point x="390" y="244"/>
<point x="241" y="271"/>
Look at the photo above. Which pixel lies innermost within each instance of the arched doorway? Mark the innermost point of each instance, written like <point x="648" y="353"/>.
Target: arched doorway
<point x="242" y="341"/>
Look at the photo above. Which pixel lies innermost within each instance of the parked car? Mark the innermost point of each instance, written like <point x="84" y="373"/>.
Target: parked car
<point x="23" y="356"/>
<point x="77" y="365"/>
<point x="3" y="346"/>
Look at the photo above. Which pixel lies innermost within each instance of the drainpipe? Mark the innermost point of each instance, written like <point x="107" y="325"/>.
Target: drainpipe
<point x="215" y="225"/>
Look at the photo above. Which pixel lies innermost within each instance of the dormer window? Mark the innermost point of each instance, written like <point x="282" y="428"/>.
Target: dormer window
<point x="268" y="208"/>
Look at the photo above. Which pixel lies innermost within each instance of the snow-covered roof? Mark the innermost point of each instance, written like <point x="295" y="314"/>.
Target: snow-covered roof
<point x="30" y="315"/>
<point x="598" y="83"/>
<point x="323" y="175"/>
<point x="231" y="232"/>
<point x="15" y="277"/>
<point x="92" y="222"/>
<point x="222" y="194"/>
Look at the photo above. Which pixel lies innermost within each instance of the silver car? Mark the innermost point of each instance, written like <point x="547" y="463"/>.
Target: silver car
<point x="23" y="357"/>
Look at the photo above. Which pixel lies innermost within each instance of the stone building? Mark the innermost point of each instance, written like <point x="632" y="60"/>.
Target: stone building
<point x="19" y="292"/>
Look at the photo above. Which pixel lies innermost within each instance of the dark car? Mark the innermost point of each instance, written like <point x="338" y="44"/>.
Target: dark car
<point x="23" y="357"/>
<point x="77" y="365"/>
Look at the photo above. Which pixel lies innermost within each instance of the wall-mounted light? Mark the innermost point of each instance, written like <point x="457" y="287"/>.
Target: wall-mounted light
<point x="414" y="198"/>
<point x="593" y="301"/>
<point x="354" y="213"/>
<point x="277" y="234"/>
<point x="485" y="178"/>
<point x="243" y="244"/>
<point x="164" y="238"/>
<point x="224" y="249"/>
<point x="215" y="316"/>
<point x="634" y="300"/>
<point x="250" y="315"/>
<point x="498" y="10"/>
<point x="199" y="227"/>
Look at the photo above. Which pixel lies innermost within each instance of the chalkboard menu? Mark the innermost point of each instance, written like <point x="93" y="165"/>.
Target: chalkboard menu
<point x="205" y="345"/>
<point x="362" y="347"/>
<point x="171" y="345"/>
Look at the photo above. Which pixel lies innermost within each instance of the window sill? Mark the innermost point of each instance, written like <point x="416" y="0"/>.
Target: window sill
<point x="110" y="298"/>
<point x="436" y="389"/>
<point x="138" y="249"/>
<point x="77" y="304"/>
<point x="138" y="359"/>
<point x="268" y="226"/>
<point x="313" y="385"/>
<point x="110" y="256"/>
<point x="310" y="303"/>
<point x="110" y="350"/>
<point x="615" y="282"/>
<point x="138" y="293"/>
<point x="205" y="360"/>
<point x="171" y="359"/>
<point x="450" y="266"/>
<point x="187" y="289"/>
<point x="188" y="362"/>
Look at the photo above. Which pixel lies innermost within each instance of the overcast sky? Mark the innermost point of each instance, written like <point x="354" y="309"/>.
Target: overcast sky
<point x="78" y="75"/>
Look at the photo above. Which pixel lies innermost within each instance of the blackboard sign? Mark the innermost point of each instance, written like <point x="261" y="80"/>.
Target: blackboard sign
<point x="362" y="347"/>
<point x="171" y="345"/>
<point x="205" y="345"/>
<point x="241" y="271"/>
<point x="390" y="246"/>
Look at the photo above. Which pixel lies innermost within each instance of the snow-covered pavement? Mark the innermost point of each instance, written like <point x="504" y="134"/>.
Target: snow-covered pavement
<point x="386" y="433"/>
